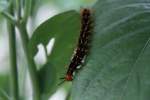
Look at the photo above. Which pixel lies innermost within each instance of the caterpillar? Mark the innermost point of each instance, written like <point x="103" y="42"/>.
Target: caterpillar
<point x="82" y="46"/>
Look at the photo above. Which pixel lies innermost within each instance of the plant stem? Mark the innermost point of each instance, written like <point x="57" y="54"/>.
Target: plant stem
<point x="21" y="24"/>
<point x="18" y="8"/>
<point x="13" y="58"/>
<point x="9" y="17"/>
<point x="27" y="9"/>
<point x="31" y="64"/>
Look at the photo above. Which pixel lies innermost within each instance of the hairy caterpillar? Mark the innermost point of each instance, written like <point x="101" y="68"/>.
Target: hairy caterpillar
<point x="82" y="46"/>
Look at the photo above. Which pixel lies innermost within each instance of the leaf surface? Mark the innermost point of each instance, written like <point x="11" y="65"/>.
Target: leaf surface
<point x="118" y="67"/>
<point x="64" y="28"/>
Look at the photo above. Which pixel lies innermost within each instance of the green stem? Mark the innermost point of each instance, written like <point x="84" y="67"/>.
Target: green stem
<point x="18" y="8"/>
<point x="25" y="39"/>
<point x="13" y="59"/>
<point x="9" y="17"/>
<point x="31" y="64"/>
<point x="27" y="9"/>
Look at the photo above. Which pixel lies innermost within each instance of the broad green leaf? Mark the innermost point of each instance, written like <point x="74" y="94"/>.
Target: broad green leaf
<point x="118" y="67"/>
<point x="47" y="78"/>
<point x="65" y="28"/>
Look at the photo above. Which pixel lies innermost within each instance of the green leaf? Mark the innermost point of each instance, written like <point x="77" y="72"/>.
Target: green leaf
<point x="65" y="28"/>
<point x="118" y="67"/>
<point x="47" y="77"/>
